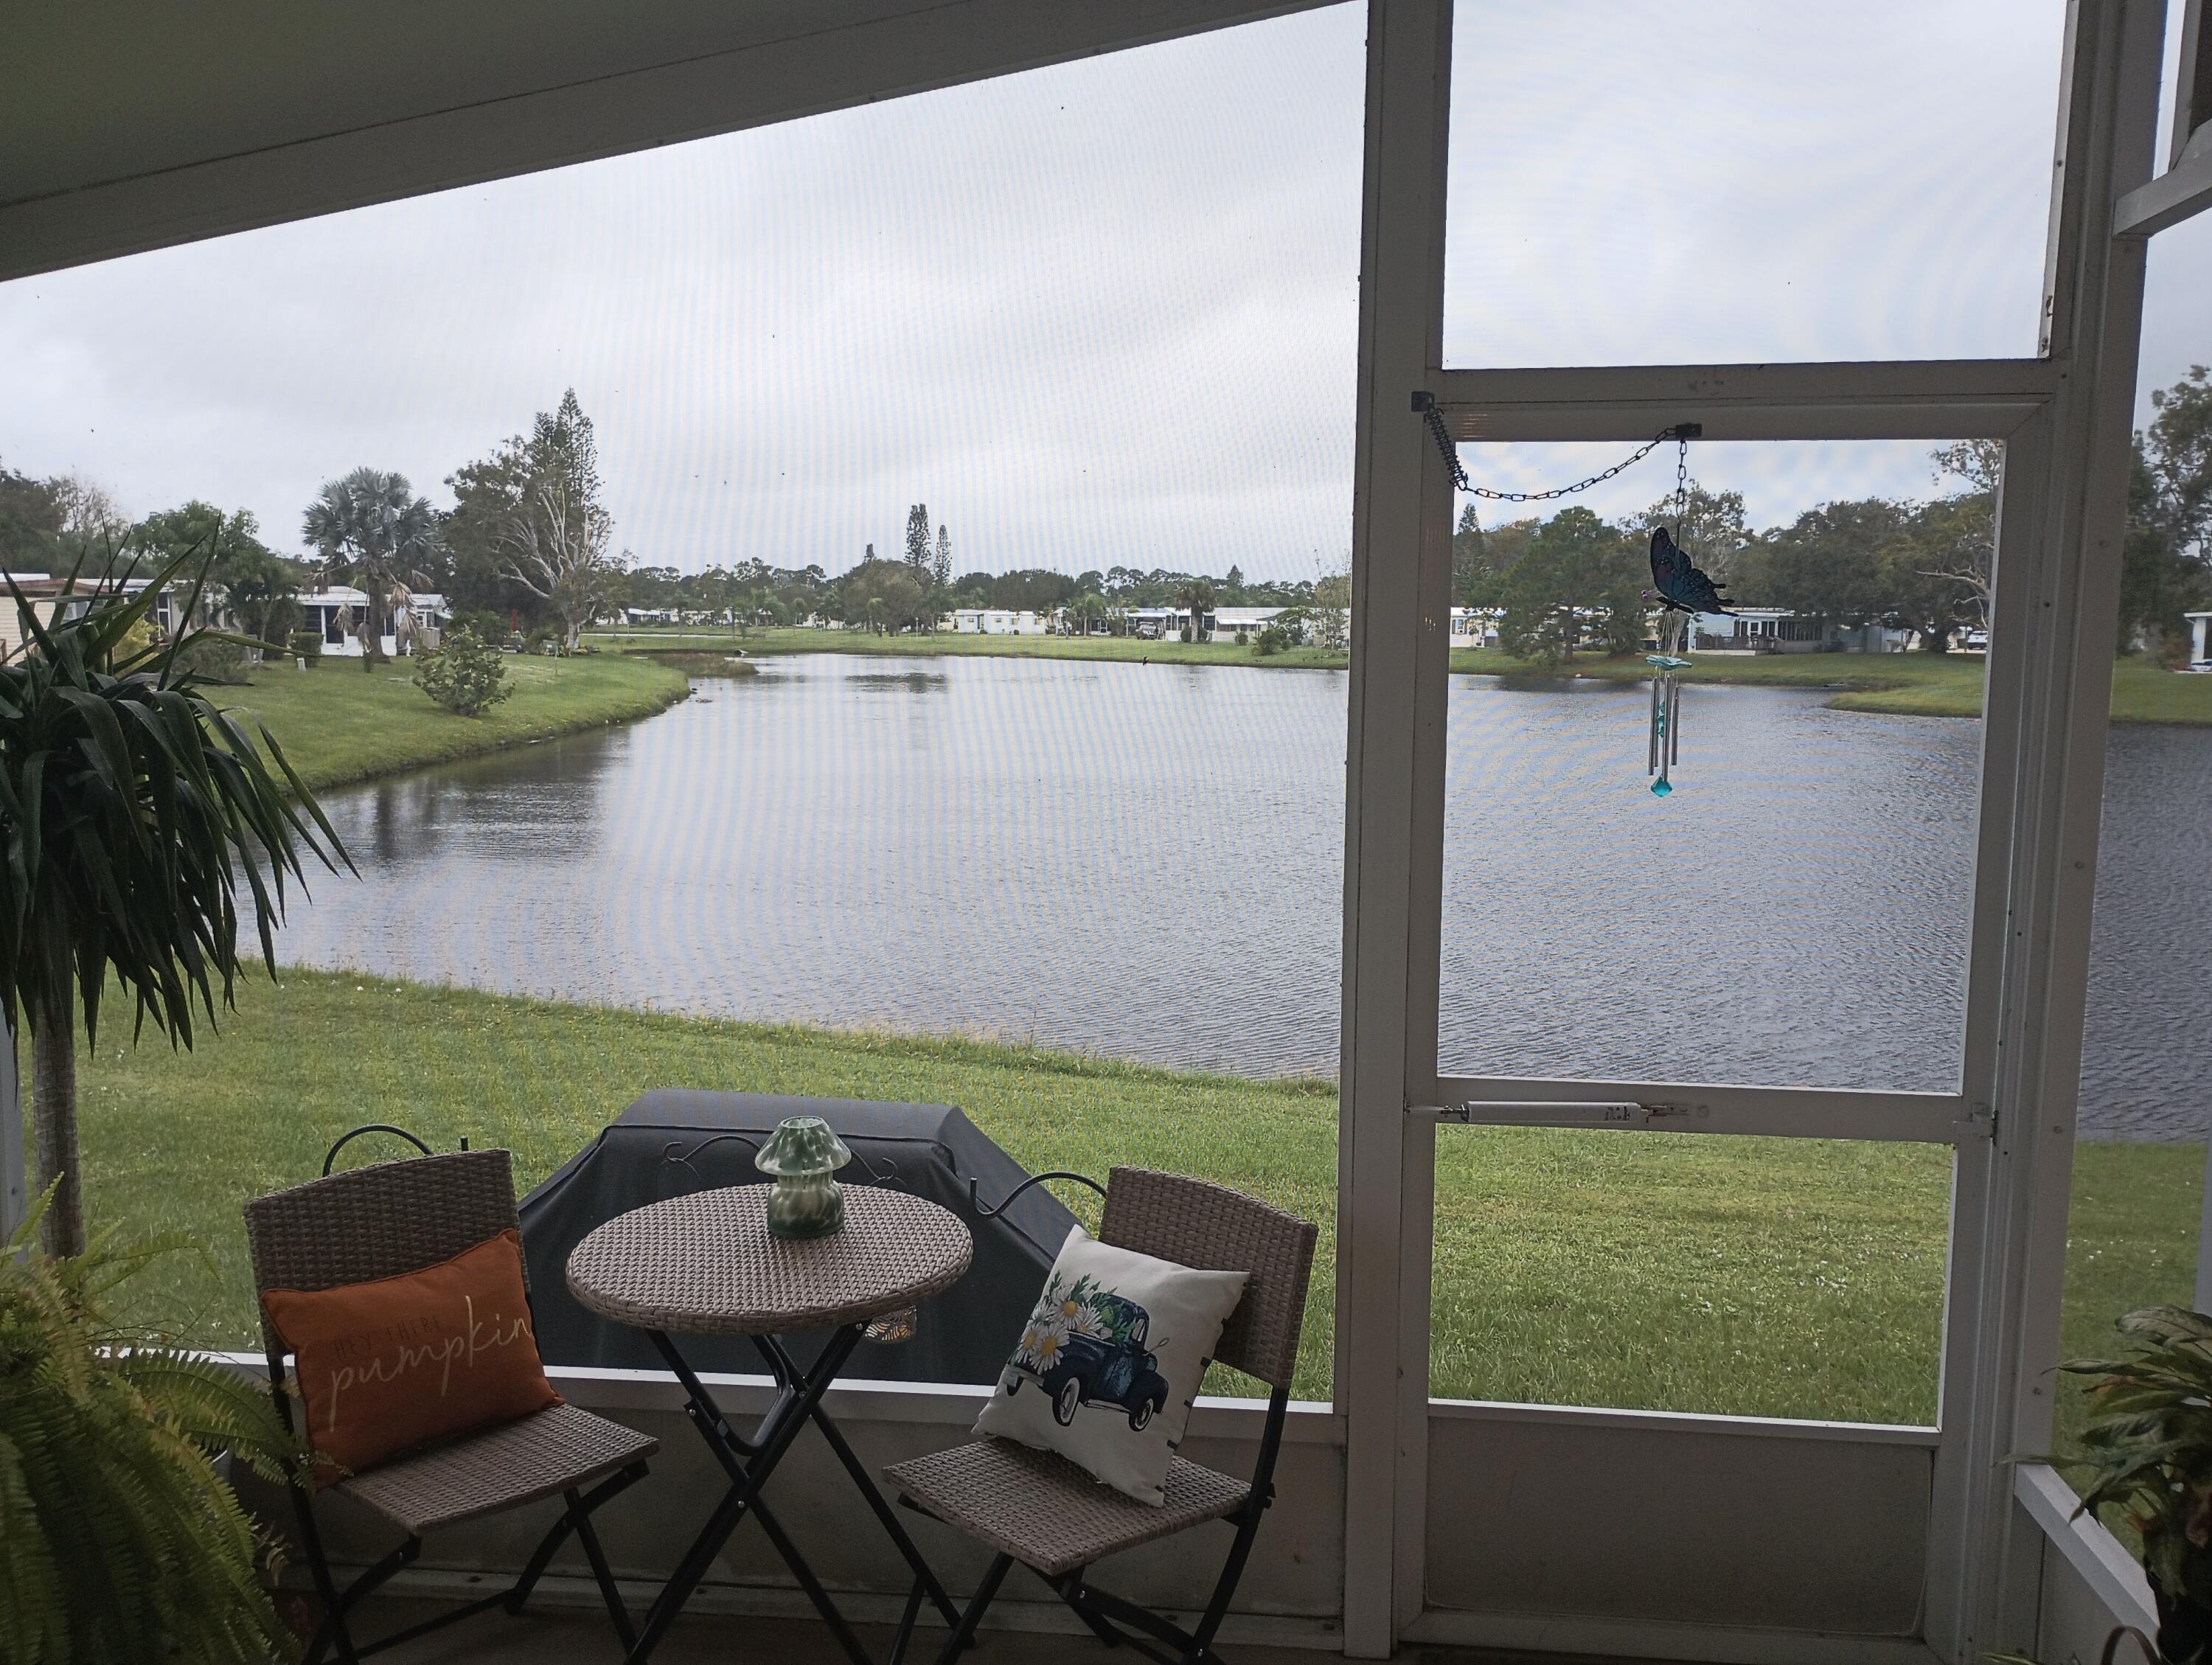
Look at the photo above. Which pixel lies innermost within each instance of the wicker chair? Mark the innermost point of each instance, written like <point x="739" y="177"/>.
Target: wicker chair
<point x="1041" y="1509"/>
<point x="383" y="1221"/>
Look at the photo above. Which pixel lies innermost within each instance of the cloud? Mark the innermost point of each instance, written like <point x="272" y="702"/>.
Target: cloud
<point x="1104" y="313"/>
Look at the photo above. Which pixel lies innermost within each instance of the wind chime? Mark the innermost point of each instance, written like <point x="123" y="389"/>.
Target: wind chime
<point x="1682" y="590"/>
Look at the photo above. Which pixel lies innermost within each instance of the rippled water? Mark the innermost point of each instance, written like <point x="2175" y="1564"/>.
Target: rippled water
<point x="1147" y="862"/>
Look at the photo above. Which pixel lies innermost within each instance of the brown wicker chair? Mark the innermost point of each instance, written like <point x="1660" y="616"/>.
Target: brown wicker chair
<point x="382" y="1221"/>
<point x="1041" y="1509"/>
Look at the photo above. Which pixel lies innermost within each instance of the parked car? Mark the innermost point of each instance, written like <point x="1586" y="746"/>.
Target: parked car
<point x="1111" y="1367"/>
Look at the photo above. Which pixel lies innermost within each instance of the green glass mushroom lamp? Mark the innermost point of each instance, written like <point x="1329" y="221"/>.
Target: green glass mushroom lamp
<point x="805" y="1201"/>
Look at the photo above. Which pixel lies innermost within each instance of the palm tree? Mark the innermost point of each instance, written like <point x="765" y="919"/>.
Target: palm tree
<point x="133" y="810"/>
<point x="372" y="526"/>
<point x="1197" y="595"/>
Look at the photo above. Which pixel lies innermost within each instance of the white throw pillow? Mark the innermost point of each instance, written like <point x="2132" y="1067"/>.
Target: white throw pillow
<point x="1109" y="1361"/>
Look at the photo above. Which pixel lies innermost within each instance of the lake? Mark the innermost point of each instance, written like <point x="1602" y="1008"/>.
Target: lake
<point x="1147" y="861"/>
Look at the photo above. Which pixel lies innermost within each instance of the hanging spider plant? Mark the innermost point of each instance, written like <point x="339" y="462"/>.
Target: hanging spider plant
<point x="132" y="808"/>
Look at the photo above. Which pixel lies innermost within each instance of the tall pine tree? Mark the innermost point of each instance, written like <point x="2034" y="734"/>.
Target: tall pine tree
<point x="917" y="542"/>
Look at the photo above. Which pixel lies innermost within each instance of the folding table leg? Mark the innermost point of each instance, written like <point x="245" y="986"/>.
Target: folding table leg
<point x="927" y="1579"/>
<point x="796" y="1400"/>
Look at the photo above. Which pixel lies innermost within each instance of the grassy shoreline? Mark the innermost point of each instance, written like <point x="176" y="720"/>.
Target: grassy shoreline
<point x="1752" y="1276"/>
<point x="1900" y="685"/>
<point x="340" y="725"/>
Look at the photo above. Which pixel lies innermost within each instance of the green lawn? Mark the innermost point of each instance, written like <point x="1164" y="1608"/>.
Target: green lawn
<point x="339" y="724"/>
<point x="1772" y="1277"/>
<point x="1911" y="684"/>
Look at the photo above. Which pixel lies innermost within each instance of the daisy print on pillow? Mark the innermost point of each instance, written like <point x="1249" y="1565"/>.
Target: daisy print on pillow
<point x="1109" y="1360"/>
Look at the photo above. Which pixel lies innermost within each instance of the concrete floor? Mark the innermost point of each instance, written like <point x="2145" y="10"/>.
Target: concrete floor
<point x="568" y="1637"/>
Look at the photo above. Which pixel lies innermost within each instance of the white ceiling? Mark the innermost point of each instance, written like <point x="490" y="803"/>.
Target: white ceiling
<point x="133" y="123"/>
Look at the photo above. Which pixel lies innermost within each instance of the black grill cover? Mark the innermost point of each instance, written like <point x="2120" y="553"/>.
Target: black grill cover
<point x="930" y="1150"/>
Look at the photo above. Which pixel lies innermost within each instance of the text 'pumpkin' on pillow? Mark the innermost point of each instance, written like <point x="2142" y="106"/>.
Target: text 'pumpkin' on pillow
<point x="1109" y="1361"/>
<point x="390" y="1366"/>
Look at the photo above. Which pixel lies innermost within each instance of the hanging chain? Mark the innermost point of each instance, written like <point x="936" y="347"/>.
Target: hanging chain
<point x="1681" y="481"/>
<point x="1681" y="432"/>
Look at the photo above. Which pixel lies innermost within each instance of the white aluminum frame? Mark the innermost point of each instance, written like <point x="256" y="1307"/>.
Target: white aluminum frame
<point x="2065" y="419"/>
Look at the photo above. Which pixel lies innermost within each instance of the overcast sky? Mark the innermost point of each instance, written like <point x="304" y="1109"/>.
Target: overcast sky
<point x="1105" y="313"/>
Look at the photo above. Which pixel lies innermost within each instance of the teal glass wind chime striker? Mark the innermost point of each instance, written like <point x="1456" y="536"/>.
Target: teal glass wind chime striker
<point x="1682" y="591"/>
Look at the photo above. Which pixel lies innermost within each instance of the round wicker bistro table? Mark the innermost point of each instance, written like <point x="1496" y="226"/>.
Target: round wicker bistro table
<point x="705" y="1265"/>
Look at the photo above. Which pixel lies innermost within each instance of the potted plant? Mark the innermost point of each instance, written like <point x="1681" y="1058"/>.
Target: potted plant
<point x="2145" y="1454"/>
<point x="119" y="1536"/>
<point x="132" y="810"/>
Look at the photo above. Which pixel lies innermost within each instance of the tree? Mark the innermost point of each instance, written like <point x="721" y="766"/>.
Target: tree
<point x="1481" y="557"/>
<point x="30" y="521"/>
<point x="2177" y="449"/>
<point x="1828" y="563"/>
<point x="1578" y="576"/>
<point x="1470" y="560"/>
<point x="940" y="566"/>
<point x="556" y="538"/>
<point x="1032" y="589"/>
<point x="1196" y="596"/>
<point x="133" y="811"/>
<point x="2158" y="583"/>
<point x="917" y="542"/>
<point x="1329" y="620"/>
<point x="1711" y="527"/>
<point x="1086" y="609"/>
<point x="2166" y="559"/>
<point x="485" y="493"/>
<point x="372" y="527"/>
<point x="1958" y="534"/>
<point x="87" y="511"/>
<point x="258" y="586"/>
<point x="886" y="594"/>
<point x="466" y="674"/>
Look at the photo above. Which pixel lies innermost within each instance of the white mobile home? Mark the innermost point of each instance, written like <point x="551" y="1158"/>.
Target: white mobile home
<point x="995" y="622"/>
<point x="340" y="615"/>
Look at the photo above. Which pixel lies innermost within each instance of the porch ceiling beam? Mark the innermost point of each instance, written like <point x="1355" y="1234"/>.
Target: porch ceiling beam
<point x="64" y="200"/>
<point x="1905" y="399"/>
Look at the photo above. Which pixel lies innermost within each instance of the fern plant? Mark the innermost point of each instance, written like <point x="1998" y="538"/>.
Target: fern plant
<point x="118" y="1540"/>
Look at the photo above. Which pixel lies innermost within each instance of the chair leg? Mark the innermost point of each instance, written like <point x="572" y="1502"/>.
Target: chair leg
<point x="540" y="1558"/>
<point x="1072" y="1592"/>
<point x="1232" y="1570"/>
<point x="333" y="1625"/>
<point x="589" y="1538"/>
<point x="978" y="1604"/>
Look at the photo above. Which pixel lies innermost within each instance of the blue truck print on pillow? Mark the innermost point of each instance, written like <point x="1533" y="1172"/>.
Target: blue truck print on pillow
<point x="1086" y="1346"/>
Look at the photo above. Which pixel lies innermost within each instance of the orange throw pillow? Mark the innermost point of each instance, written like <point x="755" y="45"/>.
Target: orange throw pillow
<point x="389" y="1367"/>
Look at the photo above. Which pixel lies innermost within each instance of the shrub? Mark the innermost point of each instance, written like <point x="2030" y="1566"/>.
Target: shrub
<point x="466" y="674"/>
<point x="1244" y="638"/>
<point x="305" y="645"/>
<point x="489" y="624"/>
<point x="1269" y="641"/>
<point x="213" y="660"/>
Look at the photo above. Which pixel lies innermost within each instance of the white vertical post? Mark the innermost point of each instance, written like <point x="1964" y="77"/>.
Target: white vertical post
<point x="2062" y="522"/>
<point x="1392" y="823"/>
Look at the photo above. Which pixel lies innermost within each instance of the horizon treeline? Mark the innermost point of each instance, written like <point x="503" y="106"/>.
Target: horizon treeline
<point x="1573" y="580"/>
